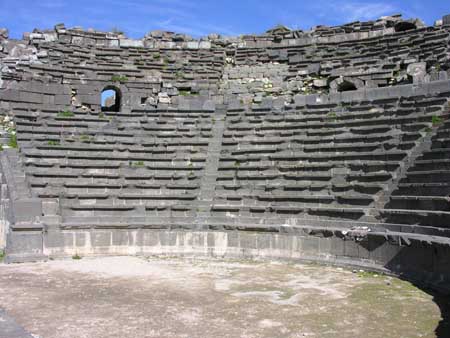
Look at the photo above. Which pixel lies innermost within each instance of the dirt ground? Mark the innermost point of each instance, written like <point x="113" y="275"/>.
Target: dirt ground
<point x="174" y="297"/>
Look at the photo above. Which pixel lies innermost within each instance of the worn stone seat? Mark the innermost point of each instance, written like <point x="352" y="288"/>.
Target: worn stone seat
<point x="426" y="165"/>
<point x="438" y="219"/>
<point x="434" y="203"/>
<point x="423" y="189"/>
<point x="428" y="176"/>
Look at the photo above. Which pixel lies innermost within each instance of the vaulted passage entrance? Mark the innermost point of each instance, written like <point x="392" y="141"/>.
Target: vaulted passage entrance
<point x="111" y="99"/>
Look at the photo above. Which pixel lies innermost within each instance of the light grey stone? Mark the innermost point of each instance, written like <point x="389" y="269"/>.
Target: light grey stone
<point x="417" y="69"/>
<point x="131" y="43"/>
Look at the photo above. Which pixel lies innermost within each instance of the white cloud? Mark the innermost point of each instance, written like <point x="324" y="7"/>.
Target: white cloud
<point x="306" y="14"/>
<point x="353" y="11"/>
<point x="194" y="28"/>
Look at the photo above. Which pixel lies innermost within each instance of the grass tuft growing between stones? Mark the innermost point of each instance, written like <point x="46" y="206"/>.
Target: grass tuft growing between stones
<point x="66" y="113"/>
<point x="138" y="164"/>
<point x="436" y="120"/>
<point x="76" y="257"/>
<point x="53" y="143"/>
<point x="332" y="116"/>
<point x="12" y="141"/>
<point x="119" y="78"/>
<point x="85" y="138"/>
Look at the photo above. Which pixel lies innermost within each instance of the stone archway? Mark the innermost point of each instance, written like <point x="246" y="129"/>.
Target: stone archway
<point x="343" y="84"/>
<point x="111" y="99"/>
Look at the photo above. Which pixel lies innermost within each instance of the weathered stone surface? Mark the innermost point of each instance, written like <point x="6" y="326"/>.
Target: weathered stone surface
<point x="446" y="20"/>
<point x="164" y="98"/>
<point x="130" y="43"/>
<point x="417" y="71"/>
<point x="320" y="83"/>
<point x="4" y="34"/>
<point x="342" y="84"/>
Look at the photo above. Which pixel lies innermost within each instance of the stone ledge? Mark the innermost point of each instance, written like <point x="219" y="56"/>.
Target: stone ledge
<point x="422" y="262"/>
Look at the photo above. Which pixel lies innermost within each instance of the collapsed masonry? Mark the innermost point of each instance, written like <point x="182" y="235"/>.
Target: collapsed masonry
<point x="329" y="145"/>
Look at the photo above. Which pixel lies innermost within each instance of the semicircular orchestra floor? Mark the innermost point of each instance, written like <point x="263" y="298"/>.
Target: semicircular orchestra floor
<point x="182" y="297"/>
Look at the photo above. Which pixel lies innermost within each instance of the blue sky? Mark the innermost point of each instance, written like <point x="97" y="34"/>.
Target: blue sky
<point x="198" y="18"/>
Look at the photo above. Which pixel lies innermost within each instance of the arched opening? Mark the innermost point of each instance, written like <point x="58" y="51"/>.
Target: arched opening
<point x="346" y="86"/>
<point x="404" y="26"/>
<point x="111" y="99"/>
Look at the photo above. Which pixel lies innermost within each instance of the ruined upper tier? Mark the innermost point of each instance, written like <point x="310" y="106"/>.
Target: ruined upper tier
<point x="280" y="63"/>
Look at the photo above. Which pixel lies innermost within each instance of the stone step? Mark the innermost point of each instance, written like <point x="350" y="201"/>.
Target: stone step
<point x="317" y="212"/>
<point x="423" y="189"/>
<point x="437" y="219"/>
<point x="427" y="176"/>
<point x="432" y="203"/>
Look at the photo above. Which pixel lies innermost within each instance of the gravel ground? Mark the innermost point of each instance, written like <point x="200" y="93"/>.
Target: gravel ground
<point x="174" y="297"/>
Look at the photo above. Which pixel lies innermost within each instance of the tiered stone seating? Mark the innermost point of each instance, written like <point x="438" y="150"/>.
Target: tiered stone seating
<point x="377" y="59"/>
<point x="114" y="168"/>
<point x="319" y="161"/>
<point x="136" y="64"/>
<point x="423" y="194"/>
